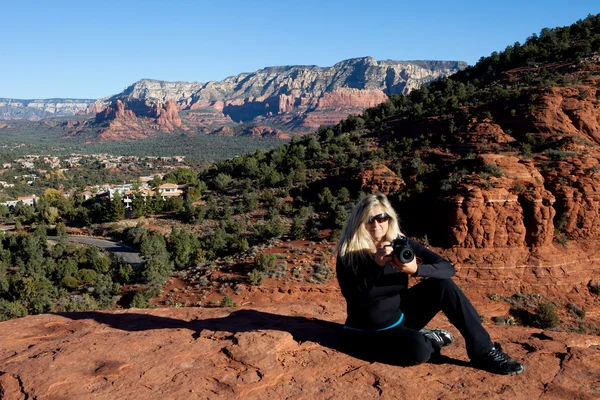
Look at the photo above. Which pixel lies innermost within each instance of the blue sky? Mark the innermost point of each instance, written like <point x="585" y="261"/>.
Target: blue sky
<point x="93" y="49"/>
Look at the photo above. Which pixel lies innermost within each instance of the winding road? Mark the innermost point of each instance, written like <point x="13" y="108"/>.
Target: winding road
<point x="127" y="253"/>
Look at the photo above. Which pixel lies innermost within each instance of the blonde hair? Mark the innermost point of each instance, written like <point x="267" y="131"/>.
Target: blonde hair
<point x="356" y="244"/>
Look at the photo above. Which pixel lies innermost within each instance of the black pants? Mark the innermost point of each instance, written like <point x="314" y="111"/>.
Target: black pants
<point x="405" y="345"/>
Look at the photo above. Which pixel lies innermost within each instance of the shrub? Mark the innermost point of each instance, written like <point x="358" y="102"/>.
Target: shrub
<point x="86" y="275"/>
<point x="558" y="155"/>
<point x="546" y="316"/>
<point x="70" y="282"/>
<point x="321" y="273"/>
<point x="493" y="296"/>
<point x="221" y="181"/>
<point x="594" y="288"/>
<point x="138" y="301"/>
<point x="297" y="228"/>
<point x="76" y="303"/>
<point x="11" y="309"/>
<point x="281" y="271"/>
<point x="265" y="262"/>
<point x="493" y="170"/>
<point x="228" y="302"/>
<point x="576" y="311"/>
<point x="257" y="277"/>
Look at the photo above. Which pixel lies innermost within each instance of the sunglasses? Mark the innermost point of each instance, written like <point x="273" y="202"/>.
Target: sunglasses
<point x="380" y="218"/>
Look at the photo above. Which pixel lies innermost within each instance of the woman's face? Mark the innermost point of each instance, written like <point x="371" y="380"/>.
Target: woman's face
<point x="377" y="225"/>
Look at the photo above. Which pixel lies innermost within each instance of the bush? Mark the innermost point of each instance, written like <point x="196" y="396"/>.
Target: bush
<point x="86" y="275"/>
<point x="321" y="273"/>
<point x="257" y="277"/>
<point x="297" y="228"/>
<point x="594" y="288"/>
<point x="493" y="170"/>
<point x="281" y="271"/>
<point x="138" y="301"/>
<point x="265" y="262"/>
<point x="70" y="282"/>
<point x="576" y="311"/>
<point x="547" y="317"/>
<point x="221" y="181"/>
<point x="76" y="303"/>
<point x="228" y="302"/>
<point x="11" y="309"/>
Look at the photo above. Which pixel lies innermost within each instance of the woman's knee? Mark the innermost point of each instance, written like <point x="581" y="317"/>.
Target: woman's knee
<point x="420" y="354"/>
<point x="441" y="283"/>
<point x="418" y="350"/>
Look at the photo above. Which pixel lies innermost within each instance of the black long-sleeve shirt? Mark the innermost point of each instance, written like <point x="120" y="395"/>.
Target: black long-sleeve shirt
<point x="373" y="295"/>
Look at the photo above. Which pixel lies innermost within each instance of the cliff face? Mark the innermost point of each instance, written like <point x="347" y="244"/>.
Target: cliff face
<point x="300" y="97"/>
<point x="559" y="188"/>
<point x="35" y="110"/>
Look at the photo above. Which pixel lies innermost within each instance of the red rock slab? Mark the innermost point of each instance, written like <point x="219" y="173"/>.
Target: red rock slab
<point x="292" y="351"/>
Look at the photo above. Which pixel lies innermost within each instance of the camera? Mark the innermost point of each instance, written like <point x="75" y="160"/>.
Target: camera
<point x="402" y="249"/>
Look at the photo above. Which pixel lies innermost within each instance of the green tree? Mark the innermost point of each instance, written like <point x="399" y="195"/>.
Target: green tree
<point x="183" y="246"/>
<point x="23" y="211"/>
<point x="35" y="293"/>
<point x="138" y="203"/>
<point x="221" y="181"/>
<point x="11" y="309"/>
<point x="297" y="228"/>
<point x="155" y="204"/>
<point x="62" y="240"/>
<point x="157" y="264"/>
<point x="116" y="209"/>
<point x="174" y="204"/>
<point x="326" y="201"/>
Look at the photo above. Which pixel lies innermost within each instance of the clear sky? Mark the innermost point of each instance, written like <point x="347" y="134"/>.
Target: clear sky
<point x="93" y="49"/>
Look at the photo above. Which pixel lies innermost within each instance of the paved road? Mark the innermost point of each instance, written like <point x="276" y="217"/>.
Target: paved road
<point x="127" y="253"/>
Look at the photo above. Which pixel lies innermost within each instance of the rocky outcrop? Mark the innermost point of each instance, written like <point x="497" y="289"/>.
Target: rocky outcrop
<point x="351" y="97"/>
<point x="35" y="110"/>
<point x="279" y="351"/>
<point x="379" y="179"/>
<point x="119" y="124"/>
<point x="167" y="116"/>
<point x="116" y="111"/>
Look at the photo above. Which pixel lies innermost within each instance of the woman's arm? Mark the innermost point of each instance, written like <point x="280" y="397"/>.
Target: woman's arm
<point x="365" y="287"/>
<point x="432" y="265"/>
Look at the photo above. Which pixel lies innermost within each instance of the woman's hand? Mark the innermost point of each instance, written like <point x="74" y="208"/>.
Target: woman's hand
<point x="410" y="268"/>
<point x="383" y="254"/>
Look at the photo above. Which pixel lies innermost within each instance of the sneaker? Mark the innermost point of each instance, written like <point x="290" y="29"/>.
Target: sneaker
<point x="440" y="336"/>
<point x="498" y="362"/>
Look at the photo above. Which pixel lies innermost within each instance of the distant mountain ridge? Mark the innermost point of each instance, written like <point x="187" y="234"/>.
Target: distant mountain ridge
<point x="390" y="77"/>
<point x="275" y="100"/>
<point x="270" y="102"/>
<point x="36" y="109"/>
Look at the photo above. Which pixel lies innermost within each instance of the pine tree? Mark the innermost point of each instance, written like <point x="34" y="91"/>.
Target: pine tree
<point x="116" y="210"/>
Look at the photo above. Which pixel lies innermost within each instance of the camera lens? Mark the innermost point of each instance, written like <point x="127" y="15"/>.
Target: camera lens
<point x="407" y="256"/>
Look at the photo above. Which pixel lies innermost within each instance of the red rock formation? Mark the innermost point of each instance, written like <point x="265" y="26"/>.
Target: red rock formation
<point x="280" y="351"/>
<point x="121" y="124"/>
<point x="116" y="111"/>
<point x="380" y="179"/>
<point x="167" y="117"/>
<point x="569" y="111"/>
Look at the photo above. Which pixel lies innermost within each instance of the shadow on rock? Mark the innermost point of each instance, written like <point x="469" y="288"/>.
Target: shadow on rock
<point x="303" y="329"/>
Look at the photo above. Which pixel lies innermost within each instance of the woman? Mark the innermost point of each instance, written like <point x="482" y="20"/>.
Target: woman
<point x="385" y="317"/>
